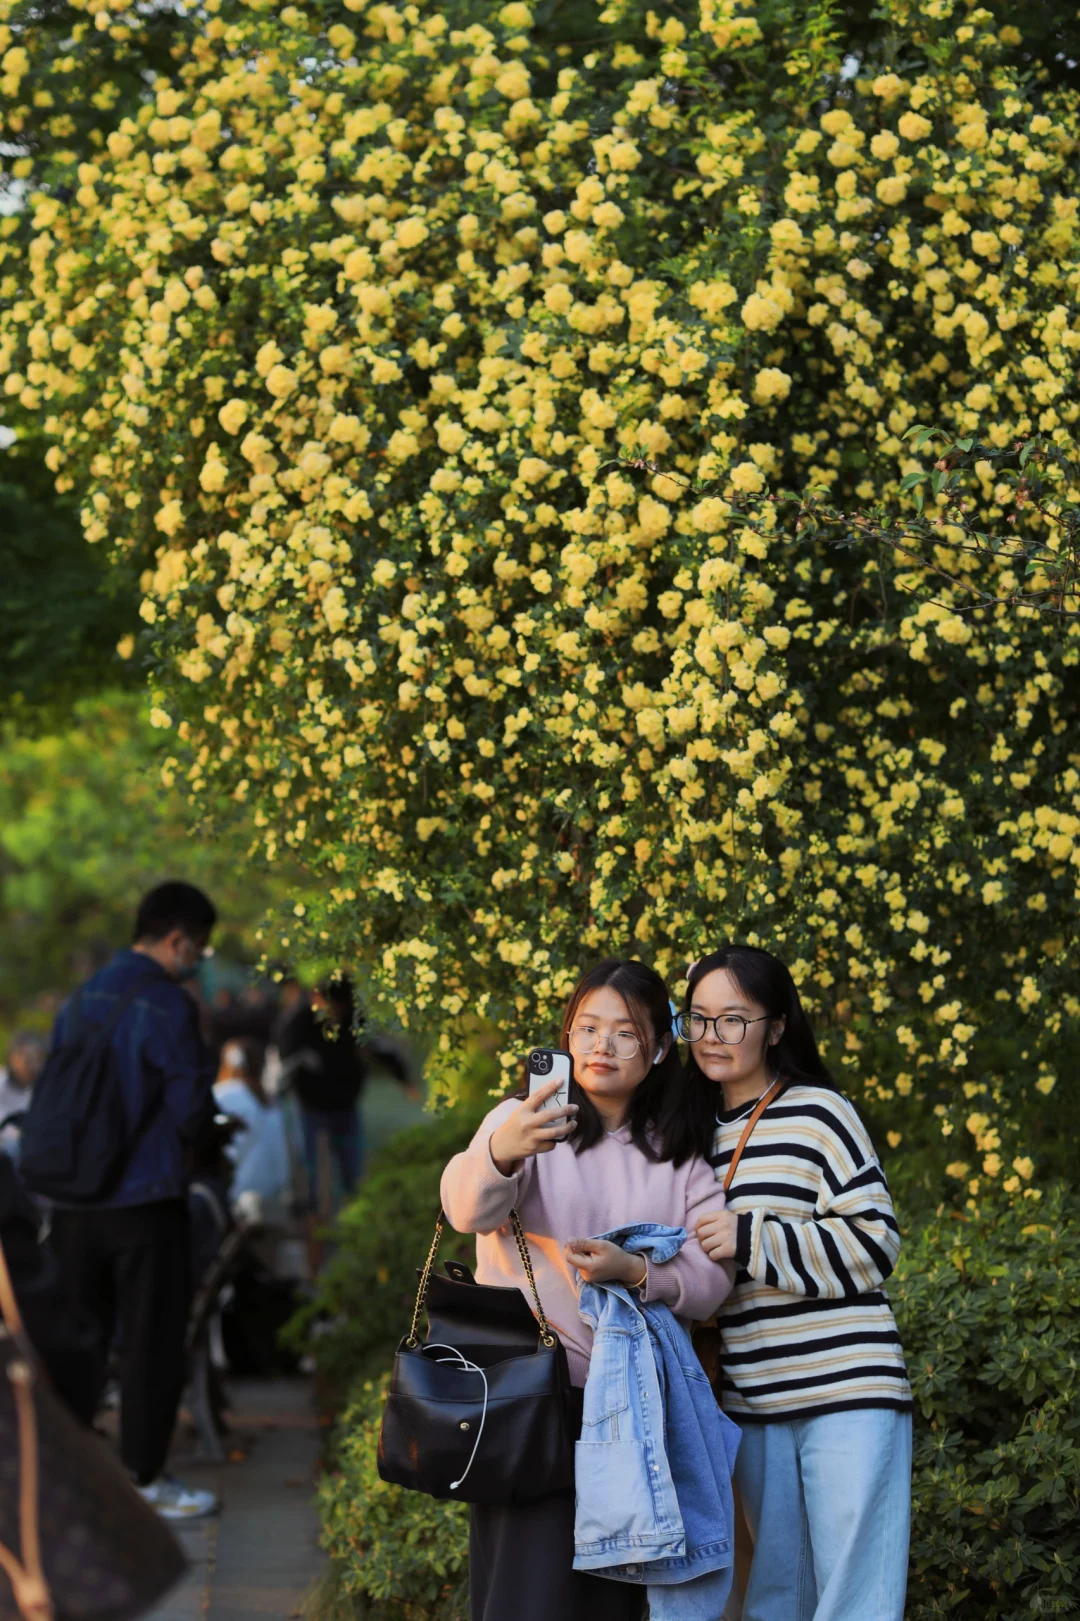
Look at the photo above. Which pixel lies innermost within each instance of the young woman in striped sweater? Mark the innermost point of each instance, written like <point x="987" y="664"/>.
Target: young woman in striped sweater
<point x="811" y="1360"/>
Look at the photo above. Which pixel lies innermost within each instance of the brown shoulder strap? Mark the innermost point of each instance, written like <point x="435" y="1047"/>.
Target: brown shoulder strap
<point x="27" y="1578"/>
<point x="755" y="1115"/>
<point x="9" y="1306"/>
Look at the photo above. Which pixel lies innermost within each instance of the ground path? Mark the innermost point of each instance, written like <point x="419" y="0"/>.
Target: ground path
<point x="258" y="1559"/>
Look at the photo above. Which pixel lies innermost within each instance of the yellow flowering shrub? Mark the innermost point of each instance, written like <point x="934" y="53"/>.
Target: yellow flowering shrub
<point x="339" y="335"/>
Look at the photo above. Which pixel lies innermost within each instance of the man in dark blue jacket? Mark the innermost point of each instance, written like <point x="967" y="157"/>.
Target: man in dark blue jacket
<point x="127" y="1260"/>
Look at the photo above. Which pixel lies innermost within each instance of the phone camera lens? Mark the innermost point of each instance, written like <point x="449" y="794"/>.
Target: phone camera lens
<point x="540" y="1063"/>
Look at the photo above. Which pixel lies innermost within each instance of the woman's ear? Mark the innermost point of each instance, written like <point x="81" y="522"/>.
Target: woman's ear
<point x="776" y="1030"/>
<point x="662" y="1050"/>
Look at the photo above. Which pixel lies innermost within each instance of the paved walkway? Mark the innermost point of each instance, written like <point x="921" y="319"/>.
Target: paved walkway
<point x="259" y="1557"/>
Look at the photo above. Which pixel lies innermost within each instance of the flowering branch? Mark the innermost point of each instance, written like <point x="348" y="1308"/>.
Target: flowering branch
<point x="1027" y="476"/>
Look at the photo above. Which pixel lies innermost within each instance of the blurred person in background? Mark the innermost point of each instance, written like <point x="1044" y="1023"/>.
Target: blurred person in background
<point x="26" y="1054"/>
<point x="258" y="1151"/>
<point x="210" y="1170"/>
<point x="126" y="1260"/>
<point x="323" y="1064"/>
<point x="290" y="995"/>
<point x="245" y="1014"/>
<point x="64" y="1337"/>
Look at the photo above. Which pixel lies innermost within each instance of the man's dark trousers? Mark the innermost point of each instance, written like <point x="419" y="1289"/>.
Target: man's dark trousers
<point x="130" y="1268"/>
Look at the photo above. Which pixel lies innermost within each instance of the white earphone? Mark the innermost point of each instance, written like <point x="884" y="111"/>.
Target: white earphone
<point x="659" y="1055"/>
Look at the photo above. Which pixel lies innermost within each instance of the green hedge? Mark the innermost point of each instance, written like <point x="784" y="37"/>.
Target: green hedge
<point x="987" y="1305"/>
<point x="396" y="1555"/>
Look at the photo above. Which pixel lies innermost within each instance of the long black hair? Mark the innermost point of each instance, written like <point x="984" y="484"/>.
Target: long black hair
<point x="646" y="998"/>
<point x="688" y="1122"/>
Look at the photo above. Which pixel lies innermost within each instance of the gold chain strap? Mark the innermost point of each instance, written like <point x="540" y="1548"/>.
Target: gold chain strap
<point x="425" y="1277"/>
<point x="526" y="1260"/>
<point x="547" y="1336"/>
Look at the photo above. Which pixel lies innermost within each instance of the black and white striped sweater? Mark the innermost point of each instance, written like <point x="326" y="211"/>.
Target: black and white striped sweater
<point x="808" y="1328"/>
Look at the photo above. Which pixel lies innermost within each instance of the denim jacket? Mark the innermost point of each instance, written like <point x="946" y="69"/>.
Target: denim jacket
<point x="164" y="1067"/>
<point x="653" y="1466"/>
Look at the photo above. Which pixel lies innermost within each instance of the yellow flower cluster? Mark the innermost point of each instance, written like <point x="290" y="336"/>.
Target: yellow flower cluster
<point x="340" y="335"/>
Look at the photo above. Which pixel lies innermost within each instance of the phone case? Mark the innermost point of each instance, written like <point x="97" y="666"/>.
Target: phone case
<point x="548" y="1064"/>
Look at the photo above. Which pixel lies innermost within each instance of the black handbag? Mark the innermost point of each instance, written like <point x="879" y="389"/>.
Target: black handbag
<point x="77" y="1542"/>
<point x="481" y="1411"/>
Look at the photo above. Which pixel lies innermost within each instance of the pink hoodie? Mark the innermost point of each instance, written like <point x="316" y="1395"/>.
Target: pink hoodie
<point x="565" y="1195"/>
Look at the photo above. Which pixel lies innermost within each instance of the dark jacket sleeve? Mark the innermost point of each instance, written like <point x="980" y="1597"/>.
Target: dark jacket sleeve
<point x="175" y="1048"/>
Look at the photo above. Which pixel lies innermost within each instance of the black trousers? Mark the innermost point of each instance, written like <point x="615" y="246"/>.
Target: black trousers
<point x="131" y="1269"/>
<point x="521" y="1567"/>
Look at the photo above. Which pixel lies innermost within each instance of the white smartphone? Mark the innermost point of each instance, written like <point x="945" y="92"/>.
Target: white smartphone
<point x="547" y="1064"/>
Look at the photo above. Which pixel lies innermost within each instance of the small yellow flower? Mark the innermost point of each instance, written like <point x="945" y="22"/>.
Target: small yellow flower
<point x="914" y="127"/>
<point x="888" y="86"/>
<point x="280" y="382"/>
<point x="410" y="232"/>
<point x="169" y="517"/>
<point x="232" y="415"/>
<point x="771" y="384"/>
<point x="747" y="478"/>
<point x="892" y="189"/>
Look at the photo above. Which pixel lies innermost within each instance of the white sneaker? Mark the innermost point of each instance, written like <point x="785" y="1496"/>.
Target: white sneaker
<point x="175" y="1501"/>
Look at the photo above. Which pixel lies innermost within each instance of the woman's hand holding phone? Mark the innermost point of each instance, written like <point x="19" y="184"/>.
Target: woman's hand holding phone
<point x="600" y="1261"/>
<point x="533" y="1128"/>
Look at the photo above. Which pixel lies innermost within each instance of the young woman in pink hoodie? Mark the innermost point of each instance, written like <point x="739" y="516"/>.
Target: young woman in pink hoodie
<point x="602" y="1162"/>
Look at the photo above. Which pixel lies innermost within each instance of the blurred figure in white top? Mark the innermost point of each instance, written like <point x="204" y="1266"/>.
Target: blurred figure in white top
<point x="259" y="1152"/>
<point x="25" y="1057"/>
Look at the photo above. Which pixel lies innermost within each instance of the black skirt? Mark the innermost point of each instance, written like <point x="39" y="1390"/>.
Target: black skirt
<point x="521" y="1567"/>
<point x="521" y="1558"/>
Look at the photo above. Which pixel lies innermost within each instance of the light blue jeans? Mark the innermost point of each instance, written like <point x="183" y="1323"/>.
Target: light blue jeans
<point x="828" y="1502"/>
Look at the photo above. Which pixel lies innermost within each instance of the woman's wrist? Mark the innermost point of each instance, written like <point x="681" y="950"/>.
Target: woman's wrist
<point x="637" y="1272"/>
<point x="504" y="1163"/>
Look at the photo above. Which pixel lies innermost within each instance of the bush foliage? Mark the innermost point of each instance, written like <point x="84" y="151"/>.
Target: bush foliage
<point x="338" y="332"/>
<point x="395" y="1555"/>
<point x="402" y="1555"/>
<point x="987" y="1307"/>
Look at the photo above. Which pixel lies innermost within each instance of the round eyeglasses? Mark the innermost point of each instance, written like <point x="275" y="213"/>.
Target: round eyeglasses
<point x="585" y="1039"/>
<point x="730" y="1027"/>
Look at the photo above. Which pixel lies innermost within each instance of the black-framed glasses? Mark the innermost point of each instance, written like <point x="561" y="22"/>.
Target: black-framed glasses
<point x="730" y="1027"/>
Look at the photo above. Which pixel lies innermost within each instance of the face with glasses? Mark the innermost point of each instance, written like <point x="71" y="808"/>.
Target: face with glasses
<point x="611" y="1059"/>
<point x="179" y="952"/>
<point x="730" y="1036"/>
